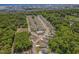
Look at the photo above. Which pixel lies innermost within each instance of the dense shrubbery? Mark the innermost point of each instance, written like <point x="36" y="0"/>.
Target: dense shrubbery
<point x="22" y="41"/>
<point x="66" y="39"/>
<point x="8" y="26"/>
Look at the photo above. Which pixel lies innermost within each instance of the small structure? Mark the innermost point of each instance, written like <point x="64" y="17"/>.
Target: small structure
<point x="39" y="32"/>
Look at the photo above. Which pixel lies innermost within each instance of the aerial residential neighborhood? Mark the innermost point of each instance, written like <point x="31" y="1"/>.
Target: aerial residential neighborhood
<point x="39" y="29"/>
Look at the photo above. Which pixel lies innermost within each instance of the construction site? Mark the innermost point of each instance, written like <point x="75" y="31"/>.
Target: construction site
<point x="41" y="31"/>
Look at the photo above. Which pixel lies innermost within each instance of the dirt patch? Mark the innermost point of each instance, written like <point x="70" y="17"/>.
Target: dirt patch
<point x="21" y="30"/>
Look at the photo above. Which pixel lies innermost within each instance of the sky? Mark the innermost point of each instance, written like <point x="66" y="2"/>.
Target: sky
<point x="39" y="1"/>
<point x="33" y="4"/>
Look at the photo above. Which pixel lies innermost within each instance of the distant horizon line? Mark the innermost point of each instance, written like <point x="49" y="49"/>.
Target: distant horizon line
<point x="34" y="4"/>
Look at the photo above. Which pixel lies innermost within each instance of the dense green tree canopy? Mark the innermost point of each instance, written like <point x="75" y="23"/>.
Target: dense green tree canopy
<point x="66" y="23"/>
<point x="8" y="27"/>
